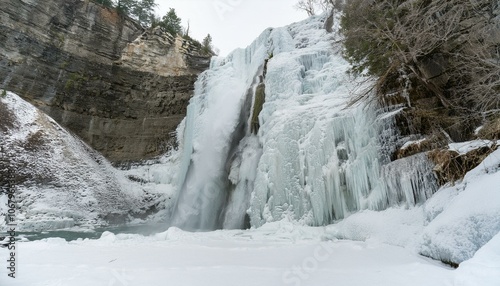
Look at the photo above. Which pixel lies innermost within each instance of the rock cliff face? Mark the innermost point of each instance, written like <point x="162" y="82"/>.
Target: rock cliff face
<point x="121" y="88"/>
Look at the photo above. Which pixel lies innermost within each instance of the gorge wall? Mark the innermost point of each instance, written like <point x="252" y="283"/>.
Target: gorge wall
<point x="121" y="88"/>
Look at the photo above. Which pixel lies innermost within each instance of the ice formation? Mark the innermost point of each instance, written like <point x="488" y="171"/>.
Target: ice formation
<point x="214" y="126"/>
<point x="451" y="226"/>
<point x="314" y="159"/>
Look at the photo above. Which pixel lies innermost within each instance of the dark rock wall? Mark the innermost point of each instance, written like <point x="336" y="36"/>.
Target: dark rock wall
<point x="120" y="88"/>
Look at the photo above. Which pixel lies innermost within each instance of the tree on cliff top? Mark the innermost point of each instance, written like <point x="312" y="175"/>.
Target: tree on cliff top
<point x="207" y="44"/>
<point x="171" y="23"/>
<point x="312" y="6"/>
<point x="144" y="11"/>
<point x="140" y="10"/>
<point x="125" y="6"/>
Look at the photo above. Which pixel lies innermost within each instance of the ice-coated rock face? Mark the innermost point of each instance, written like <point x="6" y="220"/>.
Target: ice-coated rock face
<point x="315" y="158"/>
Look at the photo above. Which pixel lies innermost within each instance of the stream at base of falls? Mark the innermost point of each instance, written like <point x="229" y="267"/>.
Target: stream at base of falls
<point x="71" y="235"/>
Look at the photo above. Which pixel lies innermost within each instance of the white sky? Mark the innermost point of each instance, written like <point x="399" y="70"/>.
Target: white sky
<point x="232" y="23"/>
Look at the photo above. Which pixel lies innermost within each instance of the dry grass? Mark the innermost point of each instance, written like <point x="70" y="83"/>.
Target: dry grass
<point x="490" y="130"/>
<point x="433" y="142"/>
<point x="450" y="166"/>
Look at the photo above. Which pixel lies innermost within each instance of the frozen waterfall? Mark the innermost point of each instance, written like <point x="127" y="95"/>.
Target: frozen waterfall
<point x="314" y="159"/>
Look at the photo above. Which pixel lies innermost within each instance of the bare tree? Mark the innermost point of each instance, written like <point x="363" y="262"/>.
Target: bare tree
<point x="449" y="47"/>
<point x="311" y="6"/>
<point x="186" y="31"/>
<point x="307" y="5"/>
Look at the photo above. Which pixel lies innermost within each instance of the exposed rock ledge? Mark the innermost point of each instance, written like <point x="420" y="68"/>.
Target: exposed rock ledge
<point x="122" y="89"/>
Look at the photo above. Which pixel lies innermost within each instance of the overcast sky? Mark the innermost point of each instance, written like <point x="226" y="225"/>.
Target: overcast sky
<point x="232" y="23"/>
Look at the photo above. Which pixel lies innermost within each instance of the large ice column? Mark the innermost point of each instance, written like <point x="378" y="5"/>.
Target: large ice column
<point x="307" y="135"/>
<point x="242" y="177"/>
<point x="213" y="128"/>
<point x="317" y="165"/>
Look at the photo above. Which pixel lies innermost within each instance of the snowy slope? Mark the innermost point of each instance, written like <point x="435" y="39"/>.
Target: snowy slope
<point x="60" y="181"/>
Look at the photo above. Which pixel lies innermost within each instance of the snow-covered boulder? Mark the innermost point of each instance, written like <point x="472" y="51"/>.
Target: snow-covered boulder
<point x="466" y="216"/>
<point x="58" y="180"/>
<point x="482" y="269"/>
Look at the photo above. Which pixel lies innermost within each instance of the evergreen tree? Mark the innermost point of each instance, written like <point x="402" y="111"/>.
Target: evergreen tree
<point x="155" y="21"/>
<point x="207" y="43"/>
<point x="171" y="22"/>
<point x="143" y="11"/>
<point x="125" y="6"/>
<point x="107" y="3"/>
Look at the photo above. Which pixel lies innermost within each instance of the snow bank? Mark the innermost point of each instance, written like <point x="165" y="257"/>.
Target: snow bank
<point x="395" y="226"/>
<point x="470" y="219"/>
<point x="465" y="147"/>
<point x="157" y="179"/>
<point x="483" y="269"/>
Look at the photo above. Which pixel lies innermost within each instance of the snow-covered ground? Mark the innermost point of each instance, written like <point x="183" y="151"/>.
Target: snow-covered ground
<point x="279" y="253"/>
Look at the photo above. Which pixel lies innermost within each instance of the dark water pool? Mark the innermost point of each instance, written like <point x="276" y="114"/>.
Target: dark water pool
<point x="69" y="235"/>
